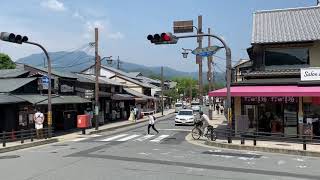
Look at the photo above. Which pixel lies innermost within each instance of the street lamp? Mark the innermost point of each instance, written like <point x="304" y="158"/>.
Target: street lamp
<point x="185" y="52"/>
<point x="10" y="37"/>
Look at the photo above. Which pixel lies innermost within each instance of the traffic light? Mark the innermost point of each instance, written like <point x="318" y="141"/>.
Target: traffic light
<point x="10" y="37"/>
<point x="163" y="38"/>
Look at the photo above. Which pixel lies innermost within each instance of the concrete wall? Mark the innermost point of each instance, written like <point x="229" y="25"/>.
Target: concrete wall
<point x="315" y="55"/>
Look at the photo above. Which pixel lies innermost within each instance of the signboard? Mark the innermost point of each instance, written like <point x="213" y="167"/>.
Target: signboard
<point x="310" y="74"/>
<point x="258" y="100"/>
<point x="183" y="26"/>
<point x="88" y="94"/>
<point x="65" y="88"/>
<point x="45" y="82"/>
<point x="205" y="52"/>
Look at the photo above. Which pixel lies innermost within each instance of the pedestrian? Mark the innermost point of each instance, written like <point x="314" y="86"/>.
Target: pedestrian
<point x="217" y="108"/>
<point x="151" y="124"/>
<point x="38" y="121"/>
<point x="132" y="116"/>
<point x="221" y="109"/>
<point x="135" y="112"/>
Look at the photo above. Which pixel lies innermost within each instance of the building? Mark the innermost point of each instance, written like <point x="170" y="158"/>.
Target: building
<point x="279" y="90"/>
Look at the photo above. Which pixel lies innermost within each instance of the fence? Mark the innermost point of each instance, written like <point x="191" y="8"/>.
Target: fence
<point x="23" y="135"/>
<point x="265" y="136"/>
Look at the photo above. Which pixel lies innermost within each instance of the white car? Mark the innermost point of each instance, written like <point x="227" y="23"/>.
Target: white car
<point x="185" y="117"/>
<point x="195" y="106"/>
<point x="178" y="107"/>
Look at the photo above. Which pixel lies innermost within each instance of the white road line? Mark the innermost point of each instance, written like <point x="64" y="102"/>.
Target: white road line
<point x="129" y="137"/>
<point x="95" y="135"/>
<point x="158" y="139"/>
<point x="144" y="137"/>
<point x="79" y="139"/>
<point x="114" y="137"/>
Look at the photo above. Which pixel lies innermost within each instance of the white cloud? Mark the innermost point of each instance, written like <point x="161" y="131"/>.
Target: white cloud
<point x="95" y="24"/>
<point x="54" y="5"/>
<point x="117" y="35"/>
<point x="78" y="15"/>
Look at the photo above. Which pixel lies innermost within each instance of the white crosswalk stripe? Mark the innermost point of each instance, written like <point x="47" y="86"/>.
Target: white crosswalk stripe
<point x="158" y="139"/>
<point x="144" y="137"/>
<point x="128" y="137"/>
<point x="114" y="137"/>
<point x="79" y="139"/>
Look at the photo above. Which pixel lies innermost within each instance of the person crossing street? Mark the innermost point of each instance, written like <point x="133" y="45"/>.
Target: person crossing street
<point x="151" y="124"/>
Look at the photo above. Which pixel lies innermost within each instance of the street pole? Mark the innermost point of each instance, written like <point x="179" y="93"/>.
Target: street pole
<point x="97" y="74"/>
<point x="118" y="63"/>
<point x="228" y="69"/>
<point x="209" y="76"/>
<point x="162" y="103"/>
<point x="199" y="60"/>
<point x="49" y="87"/>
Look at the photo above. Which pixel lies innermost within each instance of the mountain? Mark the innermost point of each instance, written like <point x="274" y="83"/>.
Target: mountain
<point x="79" y="60"/>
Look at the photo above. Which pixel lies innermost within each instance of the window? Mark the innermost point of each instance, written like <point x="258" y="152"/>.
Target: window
<point x="289" y="56"/>
<point x="185" y="113"/>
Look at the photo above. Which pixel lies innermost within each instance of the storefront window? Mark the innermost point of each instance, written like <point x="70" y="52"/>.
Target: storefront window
<point x="286" y="56"/>
<point x="312" y="112"/>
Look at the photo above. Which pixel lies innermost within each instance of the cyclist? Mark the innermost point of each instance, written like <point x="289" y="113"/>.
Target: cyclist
<point x="205" y="122"/>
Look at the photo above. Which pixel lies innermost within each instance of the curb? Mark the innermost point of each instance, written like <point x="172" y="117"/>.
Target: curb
<point x="28" y="145"/>
<point x="263" y="149"/>
<point x="124" y="125"/>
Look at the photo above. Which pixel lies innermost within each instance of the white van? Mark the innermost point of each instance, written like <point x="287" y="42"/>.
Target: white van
<point x="178" y="106"/>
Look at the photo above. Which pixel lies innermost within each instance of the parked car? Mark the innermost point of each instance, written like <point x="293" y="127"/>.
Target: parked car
<point x="195" y="106"/>
<point x="178" y="106"/>
<point x="185" y="117"/>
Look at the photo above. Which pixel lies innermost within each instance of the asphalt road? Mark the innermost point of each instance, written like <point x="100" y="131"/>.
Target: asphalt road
<point x="129" y="154"/>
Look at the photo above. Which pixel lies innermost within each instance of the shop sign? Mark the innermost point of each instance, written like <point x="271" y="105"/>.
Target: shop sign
<point x="310" y="74"/>
<point x="257" y="100"/>
<point x="65" y="88"/>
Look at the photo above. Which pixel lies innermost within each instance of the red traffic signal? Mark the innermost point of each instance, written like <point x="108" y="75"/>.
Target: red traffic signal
<point x="163" y="38"/>
<point x="10" y="37"/>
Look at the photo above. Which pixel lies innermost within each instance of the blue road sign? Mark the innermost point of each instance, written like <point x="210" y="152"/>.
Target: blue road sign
<point x="205" y="52"/>
<point x="45" y="82"/>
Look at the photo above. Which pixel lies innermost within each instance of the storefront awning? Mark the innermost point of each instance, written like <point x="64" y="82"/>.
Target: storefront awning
<point x="122" y="97"/>
<point x="8" y="99"/>
<point x="268" y="91"/>
<point x="43" y="100"/>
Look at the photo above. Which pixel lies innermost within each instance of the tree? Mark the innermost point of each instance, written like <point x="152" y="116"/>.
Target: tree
<point x="6" y="62"/>
<point x="186" y="86"/>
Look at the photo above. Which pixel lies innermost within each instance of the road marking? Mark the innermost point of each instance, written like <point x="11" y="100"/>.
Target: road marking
<point x="128" y="138"/>
<point x="79" y="139"/>
<point x="95" y="135"/>
<point x="158" y="139"/>
<point x="144" y="137"/>
<point x="114" y="137"/>
<point x="183" y="130"/>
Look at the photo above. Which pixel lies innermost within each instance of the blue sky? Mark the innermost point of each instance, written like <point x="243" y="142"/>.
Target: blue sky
<point x="62" y="25"/>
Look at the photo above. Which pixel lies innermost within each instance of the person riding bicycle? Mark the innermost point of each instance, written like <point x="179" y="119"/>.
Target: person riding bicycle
<point x="205" y="122"/>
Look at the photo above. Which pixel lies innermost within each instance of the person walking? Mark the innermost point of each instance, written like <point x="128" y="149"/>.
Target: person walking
<point x="221" y="109"/>
<point x="151" y="124"/>
<point x="135" y="112"/>
<point x="38" y="121"/>
<point x="217" y="108"/>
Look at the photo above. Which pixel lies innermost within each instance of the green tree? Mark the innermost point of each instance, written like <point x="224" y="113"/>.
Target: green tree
<point x="6" y="62"/>
<point x="186" y="86"/>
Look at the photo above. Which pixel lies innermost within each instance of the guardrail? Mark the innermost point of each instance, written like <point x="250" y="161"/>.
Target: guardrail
<point x="265" y="136"/>
<point x="22" y="135"/>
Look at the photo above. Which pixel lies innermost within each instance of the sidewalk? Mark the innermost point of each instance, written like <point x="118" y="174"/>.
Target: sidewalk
<point x="12" y="146"/>
<point x="219" y="121"/>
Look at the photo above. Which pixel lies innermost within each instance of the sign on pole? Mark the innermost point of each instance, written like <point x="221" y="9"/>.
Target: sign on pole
<point x="45" y="82"/>
<point x="205" y="52"/>
<point x="183" y="26"/>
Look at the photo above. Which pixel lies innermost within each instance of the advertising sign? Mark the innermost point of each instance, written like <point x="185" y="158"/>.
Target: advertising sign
<point x="310" y="74"/>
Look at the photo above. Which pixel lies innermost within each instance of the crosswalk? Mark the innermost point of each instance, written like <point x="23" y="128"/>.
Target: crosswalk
<point x="135" y="138"/>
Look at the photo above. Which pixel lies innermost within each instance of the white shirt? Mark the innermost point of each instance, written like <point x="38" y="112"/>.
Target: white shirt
<point x="38" y="120"/>
<point x="151" y="119"/>
<point x="206" y="118"/>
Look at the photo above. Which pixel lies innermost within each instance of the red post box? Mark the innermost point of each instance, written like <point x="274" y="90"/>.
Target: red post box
<point x="83" y="121"/>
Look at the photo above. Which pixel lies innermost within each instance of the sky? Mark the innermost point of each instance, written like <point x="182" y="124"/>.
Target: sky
<point x="66" y="25"/>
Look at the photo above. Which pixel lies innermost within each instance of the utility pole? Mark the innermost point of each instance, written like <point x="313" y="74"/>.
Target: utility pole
<point x="209" y="76"/>
<point x="199" y="60"/>
<point x="118" y="63"/>
<point x="162" y="103"/>
<point x="97" y="74"/>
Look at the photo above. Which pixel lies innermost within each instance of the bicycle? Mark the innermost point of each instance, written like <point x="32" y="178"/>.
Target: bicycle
<point x="196" y="132"/>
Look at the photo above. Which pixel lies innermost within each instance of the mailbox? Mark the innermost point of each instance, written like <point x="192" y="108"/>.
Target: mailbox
<point x="83" y="121"/>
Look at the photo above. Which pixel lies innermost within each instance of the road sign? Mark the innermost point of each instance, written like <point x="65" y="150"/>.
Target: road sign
<point x="45" y="82"/>
<point x="183" y="26"/>
<point x="205" y="52"/>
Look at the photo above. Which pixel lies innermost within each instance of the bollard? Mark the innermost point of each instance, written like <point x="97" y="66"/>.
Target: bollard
<point x="4" y="139"/>
<point x="21" y="136"/>
<point x="83" y="131"/>
<point x="254" y="141"/>
<point x="304" y="143"/>
<point x="242" y="140"/>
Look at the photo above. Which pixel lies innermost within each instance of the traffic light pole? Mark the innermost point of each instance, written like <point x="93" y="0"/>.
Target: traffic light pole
<point x="199" y="60"/>
<point x="228" y="67"/>
<point x="49" y="87"/>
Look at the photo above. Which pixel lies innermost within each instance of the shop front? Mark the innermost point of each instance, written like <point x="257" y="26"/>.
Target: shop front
<point x="274" y="109"/>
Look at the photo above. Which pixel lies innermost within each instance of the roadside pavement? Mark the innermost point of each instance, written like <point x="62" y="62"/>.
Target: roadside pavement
<point x="219" y="122"/>
<point x="12" y="146"/>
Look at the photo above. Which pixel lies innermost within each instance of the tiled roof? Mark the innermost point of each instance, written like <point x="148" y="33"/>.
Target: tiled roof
<point x="12" y="73"/>
<point x="286" y="25"/>
<point x="274" y="72"/>
<point x="9" y="85"/>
